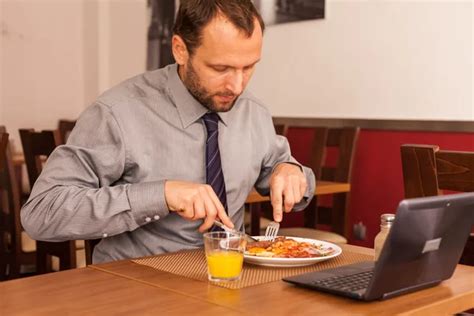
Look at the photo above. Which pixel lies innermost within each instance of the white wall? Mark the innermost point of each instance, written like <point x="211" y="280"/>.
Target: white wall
<point x="41" y="66"/>
<point x="58" y="55"/>
<point x="397" y="59"/>
<point x="122" y="46"/>
<point x="368" y="59"/>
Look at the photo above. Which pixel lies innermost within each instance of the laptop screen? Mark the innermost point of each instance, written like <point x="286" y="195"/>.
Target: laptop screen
<point x="424" y="244"/>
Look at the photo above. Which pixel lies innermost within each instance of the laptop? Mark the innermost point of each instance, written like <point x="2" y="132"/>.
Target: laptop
<point x="422" y="249"/>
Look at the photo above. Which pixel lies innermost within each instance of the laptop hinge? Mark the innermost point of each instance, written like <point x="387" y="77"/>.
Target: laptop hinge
<point x="410" y="289"/>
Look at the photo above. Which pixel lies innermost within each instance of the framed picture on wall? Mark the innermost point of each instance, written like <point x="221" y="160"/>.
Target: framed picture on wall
<point x="285" y="11"/>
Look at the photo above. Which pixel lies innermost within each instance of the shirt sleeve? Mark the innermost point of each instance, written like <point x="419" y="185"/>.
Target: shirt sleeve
<point x="81" y="192"/>
<point x="278" y="151"/>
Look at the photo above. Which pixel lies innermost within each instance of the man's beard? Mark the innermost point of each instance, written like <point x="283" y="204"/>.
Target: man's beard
<point x="192" y="82"/>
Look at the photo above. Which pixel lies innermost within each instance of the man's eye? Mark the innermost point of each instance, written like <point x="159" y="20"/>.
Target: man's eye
<point x="248" y="68"/>
<point x="219" y="69"/>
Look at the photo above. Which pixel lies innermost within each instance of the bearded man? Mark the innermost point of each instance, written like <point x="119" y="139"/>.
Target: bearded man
<point x="157" y="159"/>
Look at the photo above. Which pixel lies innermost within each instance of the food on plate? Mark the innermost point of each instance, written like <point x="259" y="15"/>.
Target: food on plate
<point x="283" y="247"/>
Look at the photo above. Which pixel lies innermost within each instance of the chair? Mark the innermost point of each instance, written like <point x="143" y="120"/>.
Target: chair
<point x="281" y="129"/>
<point x="427" y="171"/>
<point x="35" y="146"/>
<point x="16" y="249"/>
<point x="65" y="127"/>
<point x="344" y="140"/>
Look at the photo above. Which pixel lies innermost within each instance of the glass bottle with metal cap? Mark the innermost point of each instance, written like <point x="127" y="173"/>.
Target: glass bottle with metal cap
<point x="386" y="221"/>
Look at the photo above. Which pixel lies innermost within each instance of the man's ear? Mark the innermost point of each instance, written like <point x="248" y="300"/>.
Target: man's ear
<point x="180" y="51"/>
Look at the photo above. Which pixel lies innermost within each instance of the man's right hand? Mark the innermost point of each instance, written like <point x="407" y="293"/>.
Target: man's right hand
<point x="195" y="201"/>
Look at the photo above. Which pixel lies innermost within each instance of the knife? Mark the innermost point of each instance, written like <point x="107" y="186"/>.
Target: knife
<point x="248" y="238"/>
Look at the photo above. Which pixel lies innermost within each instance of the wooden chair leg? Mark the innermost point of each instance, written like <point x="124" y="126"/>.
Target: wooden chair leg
<point x="467" y="257"/>
<point x="14" y="269"/>
<point x="65" y="251"/>
<point x="65" y="263"/>
<point x="89" y="246"/>
<point x="340" y="214"/>
<point x="68" y="258"/>
<point x="310" y="214"/>
<point x="43" y="260"/>
<point x="255" y="210"/>
<point x="3" y="271"/>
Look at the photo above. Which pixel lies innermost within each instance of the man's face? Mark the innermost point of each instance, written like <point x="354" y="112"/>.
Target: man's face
<point x="220" y="68"/>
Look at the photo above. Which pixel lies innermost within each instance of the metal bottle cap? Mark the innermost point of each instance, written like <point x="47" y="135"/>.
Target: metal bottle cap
<point x="387" y="218"/>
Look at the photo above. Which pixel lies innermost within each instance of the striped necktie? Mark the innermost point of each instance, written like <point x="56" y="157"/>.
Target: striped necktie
<point x="214" y="175"/>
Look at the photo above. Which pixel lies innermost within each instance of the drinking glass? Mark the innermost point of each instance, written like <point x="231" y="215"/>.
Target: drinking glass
<point x="224" y="255"/>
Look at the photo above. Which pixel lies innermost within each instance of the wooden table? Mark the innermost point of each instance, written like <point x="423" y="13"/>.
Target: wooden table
<point x="128" y="288"/>
<point x="254" y="199"/>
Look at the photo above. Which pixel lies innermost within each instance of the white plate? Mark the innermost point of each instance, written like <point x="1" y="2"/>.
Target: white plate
<point x="294" y="262"/>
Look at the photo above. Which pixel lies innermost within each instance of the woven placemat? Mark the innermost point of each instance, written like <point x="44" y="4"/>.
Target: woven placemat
<point x="192" y="264"/>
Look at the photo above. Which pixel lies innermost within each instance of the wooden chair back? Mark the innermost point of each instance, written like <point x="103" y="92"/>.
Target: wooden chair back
<point x="65" y="127"/>
<point x="11" y="251"/>
<point x="344" y="140"/>
<point x="37" y="145"/>
<point x="427" y="171"/>
<point x="281" y="129"/>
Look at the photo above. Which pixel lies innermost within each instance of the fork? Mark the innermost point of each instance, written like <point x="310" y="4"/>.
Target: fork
<point x="272" y="230"/>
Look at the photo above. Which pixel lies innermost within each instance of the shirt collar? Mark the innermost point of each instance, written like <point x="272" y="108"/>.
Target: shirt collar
<point x="189" y="109"/>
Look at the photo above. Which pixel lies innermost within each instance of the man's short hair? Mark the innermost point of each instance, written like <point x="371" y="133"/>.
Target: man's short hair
<point x="194" y="15"/>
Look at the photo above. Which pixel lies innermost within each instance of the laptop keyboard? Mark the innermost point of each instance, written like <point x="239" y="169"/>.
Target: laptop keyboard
<point x="347" y="283"/>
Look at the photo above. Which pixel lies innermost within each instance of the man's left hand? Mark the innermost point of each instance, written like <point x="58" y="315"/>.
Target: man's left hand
<point x="287" y="187"/>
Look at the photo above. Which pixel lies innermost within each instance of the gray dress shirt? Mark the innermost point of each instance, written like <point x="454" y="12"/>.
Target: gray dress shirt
<point x="108" y="180"/>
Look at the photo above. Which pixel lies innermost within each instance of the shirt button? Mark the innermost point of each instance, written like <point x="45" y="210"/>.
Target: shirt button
<point x="147" y="219"/>
<point x="104" y="235"/>
<point x="156" y="217"/>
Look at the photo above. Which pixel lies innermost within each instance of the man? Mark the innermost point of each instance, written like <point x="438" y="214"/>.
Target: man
<point x="152" y="164"/>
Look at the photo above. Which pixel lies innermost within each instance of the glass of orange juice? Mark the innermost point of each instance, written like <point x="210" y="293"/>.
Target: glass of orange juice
<point x="224" y="255"/>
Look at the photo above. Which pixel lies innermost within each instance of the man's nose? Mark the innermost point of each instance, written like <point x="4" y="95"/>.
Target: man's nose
<point x="235" y="82"/>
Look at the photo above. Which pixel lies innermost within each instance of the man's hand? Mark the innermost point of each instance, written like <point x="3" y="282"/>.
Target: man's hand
<point x="195" y="201"/>
<point x="287" y="187"/>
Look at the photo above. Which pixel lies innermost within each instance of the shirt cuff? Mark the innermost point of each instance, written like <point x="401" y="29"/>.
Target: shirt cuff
<point x="309" y="194"/>
<point x="291" y="161"/>
<point x="147" y="201"/>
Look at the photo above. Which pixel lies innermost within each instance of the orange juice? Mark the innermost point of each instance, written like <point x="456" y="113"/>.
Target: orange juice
<point x="224" y="264"/>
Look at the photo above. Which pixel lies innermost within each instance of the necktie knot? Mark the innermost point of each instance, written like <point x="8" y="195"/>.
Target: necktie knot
<point x="211" y="120"/>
